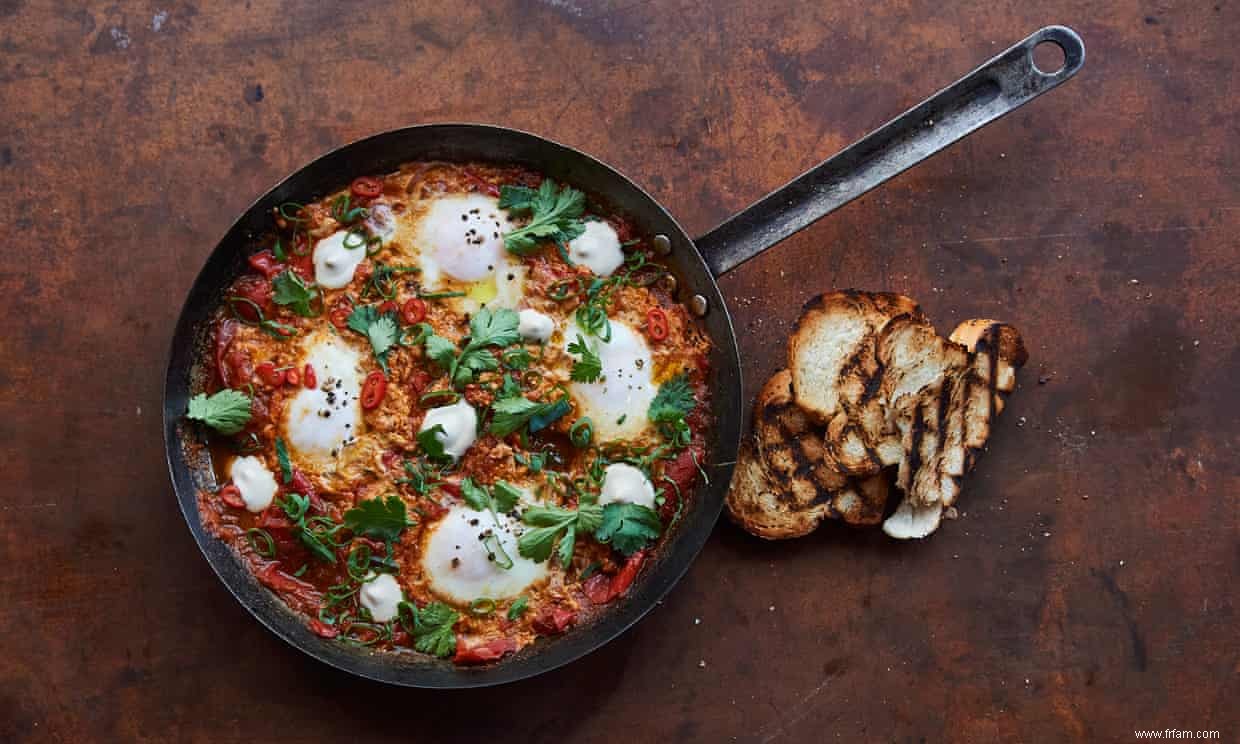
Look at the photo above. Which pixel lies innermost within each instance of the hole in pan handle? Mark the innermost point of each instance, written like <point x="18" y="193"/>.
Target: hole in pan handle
<point x="1003" y="84"/>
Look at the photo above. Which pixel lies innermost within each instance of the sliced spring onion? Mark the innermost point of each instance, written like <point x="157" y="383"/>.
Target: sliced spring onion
<point x="295" y="208"/>
<point x="354" y="239"/>
<point x="581" y="432"/>
<point x="495" y="551"/>
<point x="440" y="295"/>
<point x="261" y="541"/>
<point x="450" y="395"/>
<point x="482" y="607"/>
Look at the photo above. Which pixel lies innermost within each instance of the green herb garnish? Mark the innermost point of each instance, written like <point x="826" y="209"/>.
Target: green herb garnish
<point x="227" y="411"/>
<point x="382" y="330"/>
<point x="289" y="289"/>
<point x="486" y="329"/>
<point x="589" y="367"/>
<point x="430" y="626"/>
<point x="518" y="608"/>
<point x="555" y="215"/>
<point x="378" y="518"/>
<point x="552" y="524"/>
<point x="628" y="527"/>
<point x="286" y="465"/>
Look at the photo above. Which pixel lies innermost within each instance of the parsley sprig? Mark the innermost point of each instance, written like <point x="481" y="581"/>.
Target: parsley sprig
<point x="487" y="328"/>
<point x="628" y="527"/>
<point x="381" y="329"/>
<point x="227" y="411"/>
<point x="670" y="406"/>
<point x="555" y="215"/>
<point x="382" y="519"/>
<point x="289" y="289"/>
<point x="430" y="626"/>
<point x="589" y="367"/>
<point x="550" y="525"/>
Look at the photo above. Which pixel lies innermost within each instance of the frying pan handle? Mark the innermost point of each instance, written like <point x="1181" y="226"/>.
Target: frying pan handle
<point x="1001" y="85"/>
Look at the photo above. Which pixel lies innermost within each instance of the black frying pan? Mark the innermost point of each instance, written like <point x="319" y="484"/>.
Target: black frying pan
<point x="992" y="90"/>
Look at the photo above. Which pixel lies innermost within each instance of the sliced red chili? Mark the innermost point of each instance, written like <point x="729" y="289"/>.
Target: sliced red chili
<point x="292" y="377"/>
<point x="387" y="306"/>
<point x="339" y="316"/>
<point x="413" y="311"/>
<point x="268" y="373"/>
<point x="231" y="495"/>
<point x="308" y="378"/>
<point x="373" y="390"/>
<point x="366" y="187"/>
<point x="656" y="324"/>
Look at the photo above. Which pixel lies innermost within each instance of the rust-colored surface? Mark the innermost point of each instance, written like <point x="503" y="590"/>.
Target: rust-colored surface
<point x="1090" y="587"/>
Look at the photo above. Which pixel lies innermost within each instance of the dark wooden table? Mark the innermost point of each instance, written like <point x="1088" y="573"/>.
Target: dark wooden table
<point x="1089" y="588"/>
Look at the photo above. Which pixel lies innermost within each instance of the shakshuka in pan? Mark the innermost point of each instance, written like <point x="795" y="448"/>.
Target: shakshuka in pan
<point x="451" y="409"/>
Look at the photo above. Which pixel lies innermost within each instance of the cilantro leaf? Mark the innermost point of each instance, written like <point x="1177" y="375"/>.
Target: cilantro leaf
<point x="589" y="367"/>
<point x="430" y="626"/>
<point x="551" y="523"/>
<point x="476" y="497"/>
<point x="628" y="527"/>
<point x="378" y="518"/>
<point x="381" y="330"/>
<point x="512" y="413"/>
<point x="589" y="517"/>
<point x="289" y="289"/>
<point x="286" y="466"/>
<point x="227" y="411"/>
<point x="555" y="215"/>
<point x="518" y="608"/>
<point x="498" y="328"/>
<point x="673" y="401"/>
<point x="504" y="496"/>
<point x="441" y="350"/>
<point x="432" y="445"/>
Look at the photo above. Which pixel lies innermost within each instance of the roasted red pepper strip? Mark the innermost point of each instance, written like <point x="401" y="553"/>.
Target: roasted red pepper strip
<point x="308" y="378"/>
<point x="483" y="652"/>
<point x="366" y="187"/>
<point x="231" y="495"/>
<point x="265" y="263"/>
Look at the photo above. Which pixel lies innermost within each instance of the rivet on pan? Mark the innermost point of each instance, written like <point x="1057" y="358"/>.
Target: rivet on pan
<point x="662" y="245"/>
<point x="698" y="305"/>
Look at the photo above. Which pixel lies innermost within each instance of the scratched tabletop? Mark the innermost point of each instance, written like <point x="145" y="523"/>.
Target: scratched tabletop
<point x="1088" y="589"/>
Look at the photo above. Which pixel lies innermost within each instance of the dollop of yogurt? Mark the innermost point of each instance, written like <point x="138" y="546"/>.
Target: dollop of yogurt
<point x="460" y="427"/>
<point x="334" y="264"/>
<point x="598" y="248"/>
<point x="623" y="483"/>
<point x="255" y="482"/>
<point x="381" y="595"/>
<point x="535" y="326"/>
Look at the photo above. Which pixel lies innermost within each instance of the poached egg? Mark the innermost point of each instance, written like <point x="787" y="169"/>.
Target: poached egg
<point x="320" y="422"/>
<point x="462" y="566"/>
<point x="617" y="403"/>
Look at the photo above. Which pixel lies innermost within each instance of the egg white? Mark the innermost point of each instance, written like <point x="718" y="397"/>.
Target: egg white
<point x="617" y="404"/>
<point x="460" y="246"/>
<point x="320" y="422"/>
<point x="474" y="576"/>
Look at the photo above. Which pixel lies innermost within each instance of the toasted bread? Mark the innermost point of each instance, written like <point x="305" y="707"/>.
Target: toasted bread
<point x="831" y="354"/>
<point x="791" y="444"/>
<point x="762" y="506"/>
<point x="913" y="522"/>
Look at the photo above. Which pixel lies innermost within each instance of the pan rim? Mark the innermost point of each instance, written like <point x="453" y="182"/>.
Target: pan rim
<point x="537" y="658"/>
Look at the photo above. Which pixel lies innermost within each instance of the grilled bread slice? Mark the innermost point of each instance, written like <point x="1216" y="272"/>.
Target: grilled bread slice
<point x="783" y="487"/>
<point x="831" y="353"/>
<point x="762" y="506"/>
